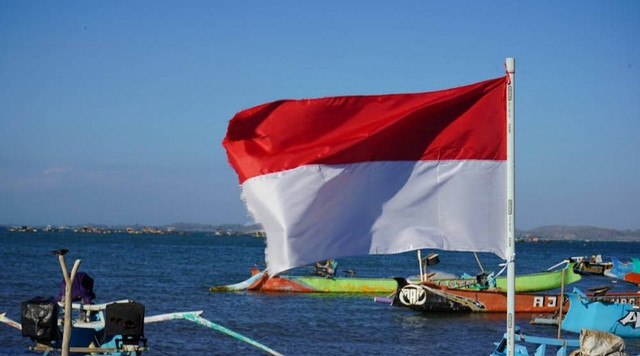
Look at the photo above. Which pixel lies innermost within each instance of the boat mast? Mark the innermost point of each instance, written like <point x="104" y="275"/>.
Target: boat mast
<point x="511" y="248"/>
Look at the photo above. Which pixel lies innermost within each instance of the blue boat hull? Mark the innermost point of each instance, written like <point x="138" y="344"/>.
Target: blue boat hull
<point x="584" y="312"/>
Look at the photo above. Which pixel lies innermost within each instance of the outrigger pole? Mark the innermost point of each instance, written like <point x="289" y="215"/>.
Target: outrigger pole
<point x="510" y="65"/>
<point x="196" y="318"/>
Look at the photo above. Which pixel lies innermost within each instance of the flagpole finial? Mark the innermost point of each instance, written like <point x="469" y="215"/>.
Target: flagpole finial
<point x="510" y="62"/>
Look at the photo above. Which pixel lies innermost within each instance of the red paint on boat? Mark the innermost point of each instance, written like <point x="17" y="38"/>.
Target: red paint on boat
<point x="277" y="284"/>
<point x="496" y="301"/>
<point x="632" y="277"/>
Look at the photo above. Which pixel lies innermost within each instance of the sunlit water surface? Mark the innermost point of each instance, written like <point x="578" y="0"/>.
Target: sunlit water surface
<point x="173" y="273"/>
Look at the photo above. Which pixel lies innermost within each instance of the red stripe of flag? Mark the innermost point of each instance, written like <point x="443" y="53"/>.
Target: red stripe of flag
<point x="464" y="123"/>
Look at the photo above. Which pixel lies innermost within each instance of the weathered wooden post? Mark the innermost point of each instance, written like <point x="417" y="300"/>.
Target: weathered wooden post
<point x="68" y="280"/>
<point x="564" y="271"/>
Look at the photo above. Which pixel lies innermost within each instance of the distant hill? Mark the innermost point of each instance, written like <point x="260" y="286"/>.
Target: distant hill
<point x="592" y="233"/>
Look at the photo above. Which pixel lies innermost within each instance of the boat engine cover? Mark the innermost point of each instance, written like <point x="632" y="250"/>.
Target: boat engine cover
<point x="39" y="319"/>
<point x="126" y="319"/>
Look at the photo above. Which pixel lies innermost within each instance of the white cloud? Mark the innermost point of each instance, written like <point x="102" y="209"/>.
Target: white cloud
<point x="55" y="170"/>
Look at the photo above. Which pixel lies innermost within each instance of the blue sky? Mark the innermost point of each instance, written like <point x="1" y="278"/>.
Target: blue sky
<point x="113" y="112"/>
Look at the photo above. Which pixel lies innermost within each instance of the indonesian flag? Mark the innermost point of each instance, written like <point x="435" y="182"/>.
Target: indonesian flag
<point x="375" y="174"/>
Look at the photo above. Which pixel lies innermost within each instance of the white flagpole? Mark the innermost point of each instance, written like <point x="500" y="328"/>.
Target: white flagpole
<point x="511" y="248"/>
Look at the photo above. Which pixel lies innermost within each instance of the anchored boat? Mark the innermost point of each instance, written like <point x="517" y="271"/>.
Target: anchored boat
<point x="615" y="313"/>
<point x="534" y="282"/>
<point x="113" y="328"/>
<point x="262" y="282"/>
<point x="429" y="297"/>
<point x="629" y="271"/>
<point x="593" y="265"/>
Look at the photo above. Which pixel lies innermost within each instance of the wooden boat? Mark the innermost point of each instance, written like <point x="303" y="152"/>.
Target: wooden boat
<point x="542" y="345"/>
<point x="535" y="282"/>
<point x="592" y="265"/>
<point x="591" y="342"/>
<point x="619" y="316"/>
<point x="260" y="281"/>
<point x="629" y="271"/>
<point x="114" y="328"/>
<point x="93" y="330"/>
<point x="427" y="297"/>
<point x="418" y="296"/>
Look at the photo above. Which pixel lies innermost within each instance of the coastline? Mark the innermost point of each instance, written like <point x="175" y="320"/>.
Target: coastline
<point x="538" y="235"/>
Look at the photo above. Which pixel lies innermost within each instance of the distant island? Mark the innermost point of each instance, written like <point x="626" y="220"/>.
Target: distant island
<point x="539" y="234"/>
<point x="177" y="228"/>
<point x="580" y="233"/>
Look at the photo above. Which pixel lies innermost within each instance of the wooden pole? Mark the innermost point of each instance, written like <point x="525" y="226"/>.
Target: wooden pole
<point x="68" y="280"/>
<point x="564" y="271"/>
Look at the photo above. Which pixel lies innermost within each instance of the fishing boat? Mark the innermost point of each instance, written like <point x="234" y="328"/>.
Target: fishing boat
<point x="591" y="342"/>
<point x="260" y="281"/>
<point x="629" y="271"/>
<point x="593" y="265"/>
<point x="427" y="297"/>
<point x="562" y="346"/>
<point x="114" y="328"/>
<point x="526" y="283"/>
<point x="618" y="314"/>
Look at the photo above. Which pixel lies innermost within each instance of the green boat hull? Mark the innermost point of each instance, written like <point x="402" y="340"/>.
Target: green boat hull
<point x="526" y="283"/>
<point x="537" y="282"/>
<point x="346" y="284"/>
<point x="315" y="284"/>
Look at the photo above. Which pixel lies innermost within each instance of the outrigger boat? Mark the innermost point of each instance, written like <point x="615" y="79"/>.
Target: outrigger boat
<point x="260" y="281"/>
<point x="429" y="297"/>
<point x="114" y="328"/>
<point x="618" y="314"/>
<point x="591" y="342"/>
<point x="526" y="283"/>
<point x="616" y="269"/>
<point x="588" y="266"/>
<point x="629" y="271"/>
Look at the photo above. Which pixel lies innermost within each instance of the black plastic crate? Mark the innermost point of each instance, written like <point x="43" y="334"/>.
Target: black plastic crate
<point x="126" y="319"/>
<point x="39" y="319"/>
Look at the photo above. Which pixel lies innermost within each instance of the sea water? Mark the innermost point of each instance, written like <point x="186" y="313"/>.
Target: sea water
<point x="169" y="273"/>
